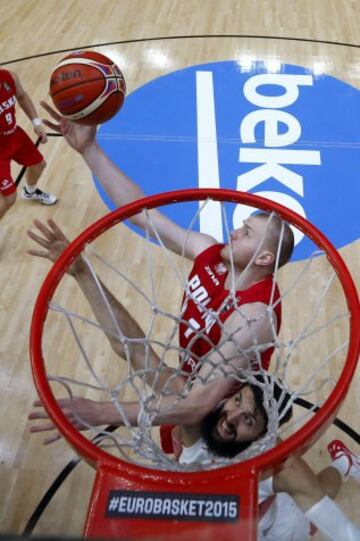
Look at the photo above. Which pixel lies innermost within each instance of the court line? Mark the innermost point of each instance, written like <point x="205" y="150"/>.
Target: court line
<point x="165" y="38"/>
<point x="24" y="167"/>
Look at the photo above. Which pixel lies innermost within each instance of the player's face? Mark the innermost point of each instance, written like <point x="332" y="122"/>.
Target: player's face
<point x="239" y="420"/>
<point x="245" y="241"/>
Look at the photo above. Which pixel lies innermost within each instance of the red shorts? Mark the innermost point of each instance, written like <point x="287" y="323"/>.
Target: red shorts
<point x="19" y="147"/>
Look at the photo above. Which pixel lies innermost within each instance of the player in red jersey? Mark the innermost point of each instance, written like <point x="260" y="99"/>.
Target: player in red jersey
<point x="246" y="420"/>
<point x="16" y="145"/>
<point x="207" y="303"/>
<point x="248" y="260"/>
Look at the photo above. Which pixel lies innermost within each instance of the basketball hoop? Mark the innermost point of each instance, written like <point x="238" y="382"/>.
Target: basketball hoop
<point x="230" y="490"/>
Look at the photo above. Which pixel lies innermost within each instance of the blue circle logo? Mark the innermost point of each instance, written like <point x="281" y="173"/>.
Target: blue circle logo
<point x="291" y="136"/>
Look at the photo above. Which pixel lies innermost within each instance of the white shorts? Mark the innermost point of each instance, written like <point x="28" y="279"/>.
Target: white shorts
<point x="289" y="522"/>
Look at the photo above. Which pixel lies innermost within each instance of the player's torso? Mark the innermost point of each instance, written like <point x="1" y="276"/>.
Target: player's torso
<point x="7" y="103"/>
<point x="199" y="329"/>
<point x="207" y="304"/>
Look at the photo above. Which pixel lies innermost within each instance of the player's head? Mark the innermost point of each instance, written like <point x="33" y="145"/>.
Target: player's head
<point x="260" y="236"/>
<point x="241" y="419"/>
<point x="277" y="230"/>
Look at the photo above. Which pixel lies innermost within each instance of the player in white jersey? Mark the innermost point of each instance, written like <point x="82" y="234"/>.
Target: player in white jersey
<point x="295" y="502"/>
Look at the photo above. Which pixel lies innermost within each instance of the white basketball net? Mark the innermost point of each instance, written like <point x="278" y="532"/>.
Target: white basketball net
<point x="150" y="282"/>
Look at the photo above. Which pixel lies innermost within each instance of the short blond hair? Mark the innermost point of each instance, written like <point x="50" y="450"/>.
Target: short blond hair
<point x="277" y="227"/>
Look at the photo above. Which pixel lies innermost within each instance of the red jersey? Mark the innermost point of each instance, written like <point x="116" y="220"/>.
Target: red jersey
<point x="208" y="304"/>
<point x="7" y="103"/>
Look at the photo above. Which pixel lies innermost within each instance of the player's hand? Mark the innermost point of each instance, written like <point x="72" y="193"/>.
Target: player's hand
<point x="79" y="137"/>
<point x="40" y="132"/>
<point x="54" y="242"/>
<point x="81" y="412"/>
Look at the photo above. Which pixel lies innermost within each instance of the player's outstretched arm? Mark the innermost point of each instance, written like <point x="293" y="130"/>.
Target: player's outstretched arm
<point x="81" y="412"/>
<point x="29" y="109"/>
<point x="187" y="409"/>
<point x="114" y="319"/>
<point x="84" y="414"/>
<point x="121" y="189"/>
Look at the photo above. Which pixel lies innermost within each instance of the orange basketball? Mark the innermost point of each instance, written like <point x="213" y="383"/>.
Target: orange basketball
<point x="87" y="87"/>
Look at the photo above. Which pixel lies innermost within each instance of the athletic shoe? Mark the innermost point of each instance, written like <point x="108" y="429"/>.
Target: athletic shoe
<point x="38" y="195"/>
<point x="344" y="460"/>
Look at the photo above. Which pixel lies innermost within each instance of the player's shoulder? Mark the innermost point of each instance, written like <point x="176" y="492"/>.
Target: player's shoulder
<point x="208" y="247"/>
<point x="8" y="76"/>
<point x="6" y="72"/>
<point x="197" y="452"/>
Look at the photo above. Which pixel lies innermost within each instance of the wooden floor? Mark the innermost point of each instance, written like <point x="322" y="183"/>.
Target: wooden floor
<point x="36" y="29"/>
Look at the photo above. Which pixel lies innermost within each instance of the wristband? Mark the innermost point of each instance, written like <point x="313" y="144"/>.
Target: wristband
<point x="36" y="122"/>
<point x="331" y="521"/>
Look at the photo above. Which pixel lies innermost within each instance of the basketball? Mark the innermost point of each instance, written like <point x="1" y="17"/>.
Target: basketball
<point x="87" y="88"/>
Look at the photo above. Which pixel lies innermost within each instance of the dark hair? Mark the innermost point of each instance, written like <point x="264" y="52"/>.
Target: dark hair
<point x="229" y="449"/>
<point x="281" y="396"/>
<point x="275" y="226"/>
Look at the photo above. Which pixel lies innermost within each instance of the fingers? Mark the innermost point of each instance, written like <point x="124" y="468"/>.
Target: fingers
<point x="50" y="111"/>
<point x="39" y="240"/>
<point x="40" y="414"/>
<point x="46" y="231"/>
<point x="55" y="437"/>
<point x="51" y="233"/>
<point x="45" y="426"/>
<point x="42" y="428"/>
<point x="59" y="128"/>
<point x="55" y="127"/>
<point x="56" y="230"/>
<point x="38" y="253"/>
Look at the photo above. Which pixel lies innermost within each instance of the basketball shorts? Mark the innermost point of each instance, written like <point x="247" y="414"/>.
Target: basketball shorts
<point x="20" y="148"/>
<point x="289" y="523"/>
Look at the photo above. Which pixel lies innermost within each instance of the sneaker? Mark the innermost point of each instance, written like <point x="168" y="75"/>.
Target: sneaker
<point x="344" y="460"/>
<point x="44" y="197"/>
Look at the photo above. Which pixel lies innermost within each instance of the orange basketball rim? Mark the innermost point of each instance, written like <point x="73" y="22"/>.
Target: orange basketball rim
<point x="214" y="505"/>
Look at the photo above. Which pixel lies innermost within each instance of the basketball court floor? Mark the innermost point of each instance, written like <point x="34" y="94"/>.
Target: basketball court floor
<point x="149" y="39"/>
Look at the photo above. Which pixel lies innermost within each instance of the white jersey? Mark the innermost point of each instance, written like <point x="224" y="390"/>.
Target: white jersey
<point x="196" y="453"/>
<point x="283" y="520"/>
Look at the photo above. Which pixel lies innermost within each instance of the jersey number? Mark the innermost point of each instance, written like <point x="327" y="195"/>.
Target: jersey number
<point x="8" y="118"/>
